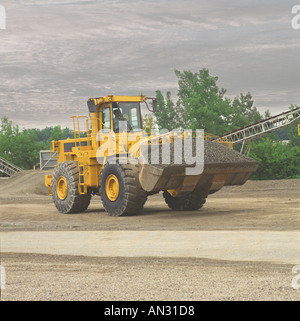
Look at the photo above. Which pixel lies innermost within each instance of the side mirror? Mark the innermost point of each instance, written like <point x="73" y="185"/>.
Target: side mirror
<point x="91" y="105"/>
<point x="154" y="106"/>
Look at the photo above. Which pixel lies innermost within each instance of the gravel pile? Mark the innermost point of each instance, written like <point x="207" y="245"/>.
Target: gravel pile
<point x="27" y="182"/>
<point x="214" y="153"/>
<point x="219" y="153"/>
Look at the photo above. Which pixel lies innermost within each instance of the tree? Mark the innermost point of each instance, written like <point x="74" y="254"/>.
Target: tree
<point x="293" y="135"/>
<point x="7" y="134"/>
<point x="56" y="133"/>
<point x="203" y="101"/>
<point x="25" y="150"/>
<point x="18" y="147"/>
<point x="22" y="147"/>
<point x="292" y="131"/>
<point x="43" y="135"/>
<point x="267" y="114"/>
<point x="168" y="116"/>
<point x="277" y="159"/>
<point x="243" y="111"/>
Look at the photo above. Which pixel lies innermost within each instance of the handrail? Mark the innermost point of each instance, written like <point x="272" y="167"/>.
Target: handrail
<point x="8" y="167"/>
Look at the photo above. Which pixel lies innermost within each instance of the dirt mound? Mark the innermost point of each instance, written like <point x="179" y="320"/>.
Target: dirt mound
<point x="265" y="185"/>
<point x="292" y="183"/>
<point x="24" y="183"/>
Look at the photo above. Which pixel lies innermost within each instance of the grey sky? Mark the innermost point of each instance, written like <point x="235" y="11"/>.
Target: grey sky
<point x="55" y="54"/>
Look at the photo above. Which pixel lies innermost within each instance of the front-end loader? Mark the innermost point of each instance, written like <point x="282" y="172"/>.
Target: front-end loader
<point x="107" y="159"/>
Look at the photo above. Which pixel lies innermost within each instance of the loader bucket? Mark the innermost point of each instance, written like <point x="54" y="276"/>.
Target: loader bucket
<point x="222" y="167"/>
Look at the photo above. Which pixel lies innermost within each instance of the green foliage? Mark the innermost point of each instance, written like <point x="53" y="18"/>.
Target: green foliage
<point x="18" y="146"/>
<point x="48" y="134"/>
<point x="277" y="160"/>
<point x="167" y="116"/>
<point x="243" y="111"/>
<point x="22" y="147"/>
<point x="293" y="136"/>
<point x="202" y="104"/>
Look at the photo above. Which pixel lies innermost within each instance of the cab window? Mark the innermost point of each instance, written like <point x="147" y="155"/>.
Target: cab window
<point x="106" y="118"/>
<point x="131" y="113"/>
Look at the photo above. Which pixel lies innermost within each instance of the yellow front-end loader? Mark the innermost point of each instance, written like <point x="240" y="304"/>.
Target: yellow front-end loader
<point x="108" y="159"/>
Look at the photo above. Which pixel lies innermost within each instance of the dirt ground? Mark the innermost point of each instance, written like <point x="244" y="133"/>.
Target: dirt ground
<point x="257" y="205"/>
<point x="50" y="277"/>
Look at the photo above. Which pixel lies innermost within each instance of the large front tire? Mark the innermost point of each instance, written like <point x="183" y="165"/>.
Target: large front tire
<point x="190" y="202"/>
<point x="64" y="189"/>
<point x="120" y="190"/>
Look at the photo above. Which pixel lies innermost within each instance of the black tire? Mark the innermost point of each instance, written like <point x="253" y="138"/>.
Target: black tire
<point x="131" y="197"/>
<point x="73" y="202"/>
<point x="190" y="202"/>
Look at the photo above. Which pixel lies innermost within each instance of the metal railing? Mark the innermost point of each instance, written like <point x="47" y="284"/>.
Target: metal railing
<point x="255" y="131"/>
<point x="8" y="168"/>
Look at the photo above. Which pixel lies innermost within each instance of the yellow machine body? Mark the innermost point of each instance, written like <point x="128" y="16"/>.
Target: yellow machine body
<point x="87" y="143"/>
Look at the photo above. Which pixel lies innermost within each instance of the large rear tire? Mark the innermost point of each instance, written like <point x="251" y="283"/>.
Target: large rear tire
<point x="64" y="189"/>
<point x="190" y="202"/>
<point x="120" y="190"/>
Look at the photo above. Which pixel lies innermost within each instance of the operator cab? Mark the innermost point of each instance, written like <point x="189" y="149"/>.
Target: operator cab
<point x="126" y="116"/>
<point x="119" y="113"/>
